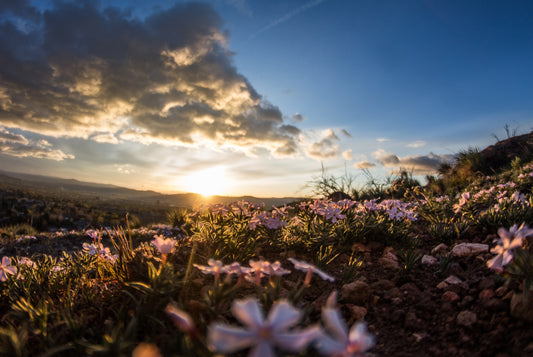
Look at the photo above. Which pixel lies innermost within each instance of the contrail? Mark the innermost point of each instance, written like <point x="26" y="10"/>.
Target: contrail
<point x="288" y="16"/>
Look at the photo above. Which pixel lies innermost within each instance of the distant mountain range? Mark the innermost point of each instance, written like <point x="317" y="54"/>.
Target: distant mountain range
<point x="54" y="185"/>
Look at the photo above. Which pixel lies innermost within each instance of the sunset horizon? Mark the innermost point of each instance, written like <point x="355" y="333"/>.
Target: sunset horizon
<point x="239" y="98"/>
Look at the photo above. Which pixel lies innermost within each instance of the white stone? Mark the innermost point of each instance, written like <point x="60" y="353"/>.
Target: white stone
<point x="440" y="248"/>
<point x="453" y="280"/>
<point x="467" y="249"/>
<point x="429" y="260"/>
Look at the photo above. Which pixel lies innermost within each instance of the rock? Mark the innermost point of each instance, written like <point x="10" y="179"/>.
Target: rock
<point x="397" y="315"/>
<point x="468" y="249"/>
<point x="419" y="336"/>
<point x="411" y="320"/>
<point x="441" y="248"/>
<point x="466" y="318"/>
<point x="442" y="285"/>
<point x="357" y="312"/>
<point x="388" y="262"/>
<point x="452" y="280"/>
<point x="381" y="286"/>
<point x="486" y="294"/>
<point x="521" y="308"/>
<point x="356" y="293"/>
<point x="429" y="260"/>
<point x="450" y="296"/>
<point x="467" y="300"/>
<point x="393" y="293"/>
<point x="410" y="289"/>
<point x="487" y="283"/>
<point x="494" y="304"/>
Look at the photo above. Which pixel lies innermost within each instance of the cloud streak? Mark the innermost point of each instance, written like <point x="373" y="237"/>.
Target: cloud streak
<point x="77" y="71"/>
<point x="288" y="16"/>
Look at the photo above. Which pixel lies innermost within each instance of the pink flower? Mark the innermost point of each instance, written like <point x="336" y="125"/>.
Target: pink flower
<point x="509" y="240"/>
<point x="6" y="268"/>
<point x="260" y="334"/>
<point x="163" y="245"/>
<point x="341" y="342"/>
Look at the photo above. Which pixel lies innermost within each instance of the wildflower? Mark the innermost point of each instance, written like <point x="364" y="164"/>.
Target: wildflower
<point x="274" y="223"/>
<point x="6" y="268"/>
<point x="181" y="319"/>
<point x="215" y="267"/>
<point x="27" y="261"/>
<point x="256" y="220"/>
<point x="260" y="334"/>
<point x="164" y="246"/>
<point x="333" y="213"/>
<point x="310" y="269"/>
<point x="342" y="342"/>
<point x="508" y="241"/>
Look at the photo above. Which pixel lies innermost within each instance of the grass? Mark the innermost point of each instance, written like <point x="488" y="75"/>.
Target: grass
<point x="110" y="296"/>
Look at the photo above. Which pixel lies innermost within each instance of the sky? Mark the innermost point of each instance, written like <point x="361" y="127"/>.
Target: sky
<point x="255" y="97"/>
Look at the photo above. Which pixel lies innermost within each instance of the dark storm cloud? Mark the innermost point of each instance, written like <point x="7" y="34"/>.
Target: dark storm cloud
<point x="80" y="71"/>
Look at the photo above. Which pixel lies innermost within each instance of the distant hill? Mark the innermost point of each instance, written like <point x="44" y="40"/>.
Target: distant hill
<point x="105" y="192"/>
<point x="504" y="151"/>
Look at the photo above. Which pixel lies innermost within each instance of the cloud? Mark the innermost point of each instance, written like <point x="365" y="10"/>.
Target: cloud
<point x="325" y="147"/>
<point x="125" y="169"/>
<point x="382" y="140"/>
<point x="297" y="117"/>
<point x="77" y="71"/>
<point x="347" y="155"/>
<point x="417" y="144"/>
<point x="19" y="146"/>
<point x="362" y="165"/>
<point x="419" y="164"/>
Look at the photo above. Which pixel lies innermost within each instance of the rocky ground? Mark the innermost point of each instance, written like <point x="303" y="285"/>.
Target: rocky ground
<point x="456" y="309"/>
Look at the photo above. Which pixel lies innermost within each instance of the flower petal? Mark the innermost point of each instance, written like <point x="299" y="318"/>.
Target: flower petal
<point x="6" y="261"/>
<point x="248" y="312"/>
<point x="228" y="339"/>
<point x="283" y="315"/>
<point x="329" y="346"/>
<point x="296" y="341"/>
<point x="263" y="349"/>
<point x="10" y="269"/>
<point x="335" y="324"/>
<point x="360" y="336"/>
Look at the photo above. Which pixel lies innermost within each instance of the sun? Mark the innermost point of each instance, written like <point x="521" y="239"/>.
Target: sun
<point x="208" y="182"/>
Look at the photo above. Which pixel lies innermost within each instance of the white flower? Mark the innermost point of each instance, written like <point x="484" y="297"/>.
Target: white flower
<point x="260" y="334"/>
<point x="310" y="269"/>
<point x="341" y="342"/>
<point x="182" y="319"/>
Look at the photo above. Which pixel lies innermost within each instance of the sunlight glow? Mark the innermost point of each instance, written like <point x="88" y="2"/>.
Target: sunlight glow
<point x="208" y="182"/>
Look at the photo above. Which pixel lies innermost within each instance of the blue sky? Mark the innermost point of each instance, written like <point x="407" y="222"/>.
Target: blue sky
<point x="251" y="97"/>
